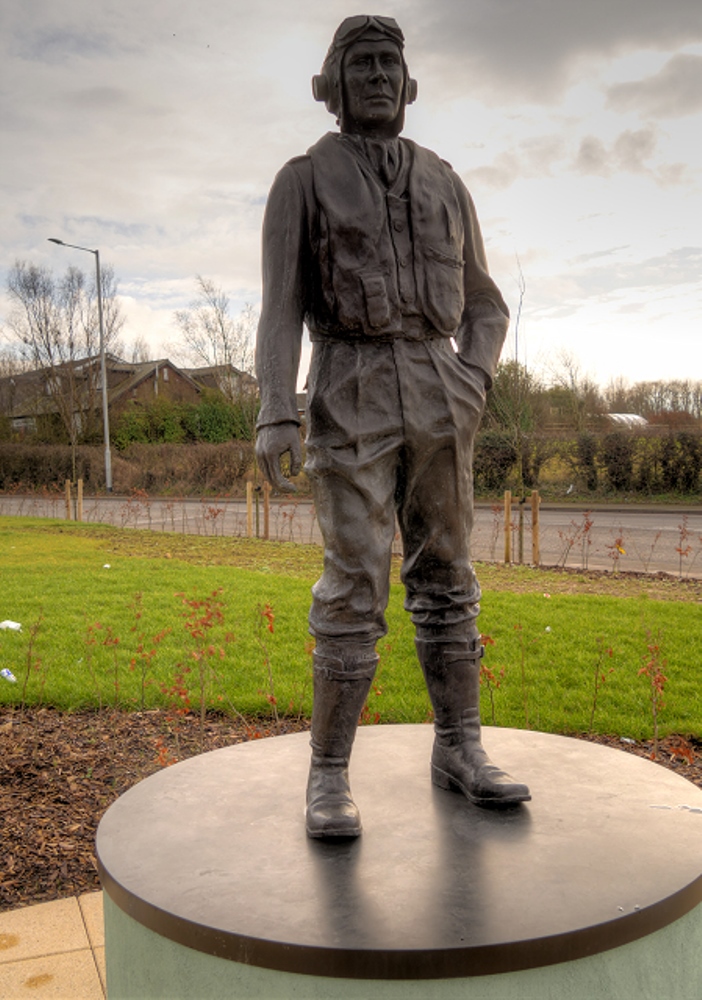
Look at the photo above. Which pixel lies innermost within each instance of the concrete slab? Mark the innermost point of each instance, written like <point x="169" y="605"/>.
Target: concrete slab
<point x="99" y="956"/>
<point x="44" y="929"/>
<point x="68" y="976"/>
<point x="91" y="910"/>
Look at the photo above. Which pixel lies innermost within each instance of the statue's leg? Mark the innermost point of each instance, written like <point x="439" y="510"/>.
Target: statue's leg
<point x="435" y="514"/>
<point x="354" y="435"/>
<point x="343" y="672"/>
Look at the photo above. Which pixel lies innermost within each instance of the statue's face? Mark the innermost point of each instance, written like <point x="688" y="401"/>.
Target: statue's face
<point x="373" y="80"/>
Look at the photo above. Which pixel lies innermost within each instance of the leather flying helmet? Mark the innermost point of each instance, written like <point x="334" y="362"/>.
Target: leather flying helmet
<point x="326" y="86"/>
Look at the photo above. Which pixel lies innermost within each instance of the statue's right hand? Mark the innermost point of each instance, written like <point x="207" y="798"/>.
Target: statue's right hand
<point x="272" y="442"/>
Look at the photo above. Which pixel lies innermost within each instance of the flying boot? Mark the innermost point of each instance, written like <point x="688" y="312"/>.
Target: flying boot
<point x="451" y="666"/>
<point x="343" y="672"/>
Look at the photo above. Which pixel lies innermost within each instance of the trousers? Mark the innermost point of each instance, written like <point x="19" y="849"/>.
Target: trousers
<point x="390" y="432"/>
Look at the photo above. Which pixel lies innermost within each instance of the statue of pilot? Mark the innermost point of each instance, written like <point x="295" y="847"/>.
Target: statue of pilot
<point x="373" y="243"/>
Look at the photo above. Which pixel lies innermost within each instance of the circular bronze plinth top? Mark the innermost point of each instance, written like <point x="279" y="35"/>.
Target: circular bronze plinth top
<point x="212" y="853"/>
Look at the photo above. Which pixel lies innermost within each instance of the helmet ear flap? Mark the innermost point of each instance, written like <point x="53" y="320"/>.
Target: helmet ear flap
<point x="411" y="91"/>
<point x="321" y="89"/>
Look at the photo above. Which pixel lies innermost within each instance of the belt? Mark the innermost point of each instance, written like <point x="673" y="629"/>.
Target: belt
<point x="413" y="328"/>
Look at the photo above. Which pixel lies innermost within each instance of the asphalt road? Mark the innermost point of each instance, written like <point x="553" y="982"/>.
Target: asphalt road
<point x="626" y="538"/>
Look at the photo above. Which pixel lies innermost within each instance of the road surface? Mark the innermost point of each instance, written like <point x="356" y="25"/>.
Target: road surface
<point x="637" y="538"/>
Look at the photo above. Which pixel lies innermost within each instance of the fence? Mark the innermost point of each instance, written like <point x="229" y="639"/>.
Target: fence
<point x="514" y="531"/>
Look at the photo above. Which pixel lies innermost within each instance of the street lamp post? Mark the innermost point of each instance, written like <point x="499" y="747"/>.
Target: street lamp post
<point x="103" y="365"/>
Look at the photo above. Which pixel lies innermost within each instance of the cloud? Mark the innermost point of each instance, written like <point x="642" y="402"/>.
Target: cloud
<point x="680" y="266"/>
<point x="673" y="175"/>
<point x="537" y="157"/>
<point x="630" y="152"/>
<point x="534" y="157"/>
<point x="672" y="93"/>
<point x="592" y="157"/>
<point x="500" y="174"/>
<point x="61" y="44"/>
<point x="632" y="149"/>
<point x="101" y="100"/>
<point x="531" y="49"/>
<point x="595" y="255"/>
<point x="617" y="283"/>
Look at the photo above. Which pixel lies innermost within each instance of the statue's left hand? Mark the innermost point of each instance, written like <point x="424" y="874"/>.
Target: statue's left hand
<point x="274" y="441"/>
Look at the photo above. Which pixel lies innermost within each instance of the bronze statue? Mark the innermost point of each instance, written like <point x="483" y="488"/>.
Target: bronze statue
<point x="374" y="244"/>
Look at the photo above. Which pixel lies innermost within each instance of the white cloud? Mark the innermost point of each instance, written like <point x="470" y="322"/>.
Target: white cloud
<point x="633" y="149"/>
<point x="593" y="157"/>
<point x="630" y="152"/>
<point x="531" y="51"/>
<point x="673" y="92"/>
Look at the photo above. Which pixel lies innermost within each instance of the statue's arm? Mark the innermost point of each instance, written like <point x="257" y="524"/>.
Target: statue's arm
<point x="280" y="327"/>
<point x="486" y="317"/>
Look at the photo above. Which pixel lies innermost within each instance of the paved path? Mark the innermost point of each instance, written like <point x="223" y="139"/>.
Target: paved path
<point x="54" y="950"/>
<point x="628" y="538"/>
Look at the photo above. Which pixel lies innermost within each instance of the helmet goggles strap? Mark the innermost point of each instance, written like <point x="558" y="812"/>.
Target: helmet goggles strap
<point x="354" y="27"/>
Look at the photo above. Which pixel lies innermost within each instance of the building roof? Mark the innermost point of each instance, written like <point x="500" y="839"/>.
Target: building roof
<point x="212" y="376"/>
<point x="27" y="394"/>
<point x="629" y="420"/>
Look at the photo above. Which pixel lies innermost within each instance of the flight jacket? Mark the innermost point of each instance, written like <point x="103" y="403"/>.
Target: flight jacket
<point x="330" y="261"/>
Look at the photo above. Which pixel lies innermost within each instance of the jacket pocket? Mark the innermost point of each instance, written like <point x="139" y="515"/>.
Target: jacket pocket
<point x="443" y="287"/>
<point x="376" y="296"/>
<point x="443" y="257"/>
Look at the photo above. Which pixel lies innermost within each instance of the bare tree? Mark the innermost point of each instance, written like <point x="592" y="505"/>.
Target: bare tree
<point x="659" y="400"/>
<point x="521" y="285"/>
<point x="212" y="337"/>
<point x="11" y="363"/>
<point x="619" y="396"/>
<point x="140" y="350"/>
<point x="55" y="326"/>
<point x="56" y="321"/>
<point x="578" y="395"/>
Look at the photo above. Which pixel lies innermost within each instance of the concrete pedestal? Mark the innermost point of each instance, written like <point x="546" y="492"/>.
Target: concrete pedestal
<point x="594" y="889"/>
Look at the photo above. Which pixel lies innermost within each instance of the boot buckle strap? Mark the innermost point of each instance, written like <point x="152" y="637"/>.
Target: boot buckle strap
<point x="336" y="669"/>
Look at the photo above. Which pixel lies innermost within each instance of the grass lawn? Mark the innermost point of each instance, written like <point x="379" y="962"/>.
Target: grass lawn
<point x="104" y="622"/>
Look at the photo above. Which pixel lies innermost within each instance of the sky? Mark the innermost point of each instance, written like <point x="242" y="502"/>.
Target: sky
<point x="153" y="131"/>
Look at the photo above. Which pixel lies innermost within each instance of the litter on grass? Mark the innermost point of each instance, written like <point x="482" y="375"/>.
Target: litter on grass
<point x="8" y="675"/>
<point x="15" y="626"/>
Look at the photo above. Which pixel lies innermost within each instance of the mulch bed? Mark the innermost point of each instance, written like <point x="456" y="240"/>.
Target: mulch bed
<point x="59" y="772"/>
